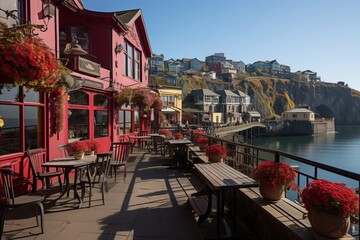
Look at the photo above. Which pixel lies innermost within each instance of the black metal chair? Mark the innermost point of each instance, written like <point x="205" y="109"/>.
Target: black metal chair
<point x="121" y="152"/>
<point x="36" y="158"/>
<point x="97" y="175"/>
<point x="12" y="201"/>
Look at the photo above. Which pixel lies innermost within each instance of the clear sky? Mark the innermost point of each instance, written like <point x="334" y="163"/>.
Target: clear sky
<point x="319" y="35"/>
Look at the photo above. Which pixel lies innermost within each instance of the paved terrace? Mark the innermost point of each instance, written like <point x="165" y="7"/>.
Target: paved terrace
<point x="150" y="204"/>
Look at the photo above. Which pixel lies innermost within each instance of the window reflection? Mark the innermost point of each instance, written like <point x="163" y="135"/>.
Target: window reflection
<point x="10" y="137"/>
<point x="101" y="124"/>
<point x="100" y="100"/>
<point x="78" y="98"/>
<point x="9" y="92"/>
<point x="78" y="124"/>
<point x="33" y="120"/>
<point x="124" y="122"/>
<point x="31" y="96"/>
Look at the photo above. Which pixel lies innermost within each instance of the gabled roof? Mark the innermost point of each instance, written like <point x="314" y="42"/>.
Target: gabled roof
<point x="131" y="17"/>
<point x="240" y="93"/>
<point x="299" y="110"/>
<point x="226" y="93"/>
<point x="203" y="92"/>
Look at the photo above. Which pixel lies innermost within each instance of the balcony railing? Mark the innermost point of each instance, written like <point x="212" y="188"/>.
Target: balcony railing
<point x="245" y="158"/>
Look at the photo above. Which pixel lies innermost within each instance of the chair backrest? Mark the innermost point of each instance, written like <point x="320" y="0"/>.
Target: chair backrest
<point x="36" y="158"/>
<point x="102" y="166"/>
<point x="121" y="151"/>
<point x="64" y="150"/>
<point x="7" y="179"/>
<point x="143" y="132"/>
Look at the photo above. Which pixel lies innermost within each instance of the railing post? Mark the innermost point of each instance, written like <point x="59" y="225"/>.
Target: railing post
<point x="277" y="157"/>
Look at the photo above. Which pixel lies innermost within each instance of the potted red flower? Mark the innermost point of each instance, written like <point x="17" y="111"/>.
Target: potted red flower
<point x="330" y="206"/>
<point x="158" y="103"/>
<point x="202" y="142"/>
<point x="178" y="135"/>
<point x="215" y="152"/>
<point x="167" y="133"/>
<point x="78" y="149"/>
<point x="274" y="178"/>
<point x="93" y="147"/>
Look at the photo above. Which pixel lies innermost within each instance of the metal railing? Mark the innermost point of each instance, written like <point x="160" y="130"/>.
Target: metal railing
<point x="245" y="157"/>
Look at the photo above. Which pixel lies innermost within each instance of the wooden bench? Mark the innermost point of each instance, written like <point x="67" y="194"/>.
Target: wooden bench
<point x="196" y="155"/>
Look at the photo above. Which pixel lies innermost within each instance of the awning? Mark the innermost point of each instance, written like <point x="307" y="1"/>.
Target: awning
<point x="168" y="110"/>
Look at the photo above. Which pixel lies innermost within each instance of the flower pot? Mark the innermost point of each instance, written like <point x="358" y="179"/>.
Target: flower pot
<point x="202" y="146"/>
<point x="78" y="156"/>
<point x="327" y="224"/>
<point x="269" y="193"/>
<point x="215" y="158"/>
<point x="91" y="153"/>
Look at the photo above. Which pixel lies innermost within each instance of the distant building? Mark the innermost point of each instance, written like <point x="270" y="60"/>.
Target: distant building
<point x="176" y="67"/>
<point x="273" y="67"/>
<point x="229" y="105"/>
<point x="310" y="76"/>
<point x="298" y="114"/>
<point x="239" y="66"/>
<point x="215" y="58"/>
<point x="196" y="64"/>
<point x="157" y="64"/>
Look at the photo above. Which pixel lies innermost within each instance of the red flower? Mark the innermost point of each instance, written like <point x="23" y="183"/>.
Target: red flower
<point x="92" y="145"/>
<point x="215" y="150"/>
<point x="178" y="135"/>
<point x="331" y="197"/>
<point x="165" y="132"/>
<point x="79" y="147"/>
<point x="202" y="140"/>
<point x="276" y="173"/>
<point x="26" y="61"/>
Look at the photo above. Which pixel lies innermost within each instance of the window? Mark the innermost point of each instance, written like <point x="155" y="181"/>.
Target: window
<point x="22" y="112"/>
<point x="132" y="62"/>
<point x="78" y="128"/>
<point x="124" y="121"/>
<point x="101" y="116"/>
<point x="72" y="33"/>
<point x="207" y="99"/>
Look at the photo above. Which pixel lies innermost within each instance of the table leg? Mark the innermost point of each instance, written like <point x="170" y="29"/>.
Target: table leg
<point x="67" y="182"/>
<point x="219" y="208"/>
<point x="202" y="218"/>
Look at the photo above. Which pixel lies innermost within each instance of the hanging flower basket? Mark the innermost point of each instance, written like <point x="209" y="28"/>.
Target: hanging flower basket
<point x="26" y="60"/>
<point x="158" y="103"/>
<point x="124" y="97"/>
<point x="143" y="99"/>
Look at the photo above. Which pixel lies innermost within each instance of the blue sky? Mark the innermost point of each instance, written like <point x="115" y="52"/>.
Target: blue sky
<point x="319" y="35"/>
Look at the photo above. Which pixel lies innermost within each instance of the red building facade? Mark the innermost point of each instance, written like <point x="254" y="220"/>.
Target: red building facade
<point x="106" y="52"/>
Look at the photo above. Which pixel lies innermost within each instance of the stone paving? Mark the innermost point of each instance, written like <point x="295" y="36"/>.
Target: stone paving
<point x="150" y="204"/>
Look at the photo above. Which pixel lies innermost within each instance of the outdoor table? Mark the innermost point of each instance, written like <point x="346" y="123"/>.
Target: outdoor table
<point x="139" y="138"/>
<point x="179" y="146"/>
<point x="68" y="164"/>
<point x="220" y="177"/>
<point x="155" y="137"/>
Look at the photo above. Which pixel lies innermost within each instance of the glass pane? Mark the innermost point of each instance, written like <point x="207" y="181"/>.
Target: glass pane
<point x="82" y="35"/>
<point x="10" y="137"/>
<point x="9" y="92"/>
<point x="127" y="121"/>
<point x="31" y="96"/>
<point x="101" y="124"/>
<point x="137" y="120"/>
<point x="33" y="127"/>
<point x="78" y="124"/>
<point x="100" y="100"/>
<point x="121" y="122"/>
<point x="79" y="98"/>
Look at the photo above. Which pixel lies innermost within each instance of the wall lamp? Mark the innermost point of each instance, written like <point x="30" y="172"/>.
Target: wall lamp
<point x="48" y="11"/>
<point x="118" y="48"/>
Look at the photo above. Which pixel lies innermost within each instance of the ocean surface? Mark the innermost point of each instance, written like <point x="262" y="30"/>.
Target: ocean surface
<point x="340" y="149"/>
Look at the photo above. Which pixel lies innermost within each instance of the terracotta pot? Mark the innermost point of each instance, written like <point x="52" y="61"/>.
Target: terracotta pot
<point x="202" y="146"/>
<point x="269" y="193"/>
<point x="215" y="158"/>
<point x="78" y="156"/>
<point x="327" y="224"/>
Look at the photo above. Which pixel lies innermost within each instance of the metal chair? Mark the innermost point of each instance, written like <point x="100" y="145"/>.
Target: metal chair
<point x="12" y="201"/>
<point x="98" y="174"/>
<point x="64" y="149"/>
<point x="121" y="152"/>
<point x="36" y="158"/>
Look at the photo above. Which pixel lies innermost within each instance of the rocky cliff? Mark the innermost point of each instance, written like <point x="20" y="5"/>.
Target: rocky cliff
<point x="273" y="96"/>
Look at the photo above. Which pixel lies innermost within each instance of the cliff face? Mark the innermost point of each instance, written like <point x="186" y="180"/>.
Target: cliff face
<point x="273" y="96"/>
